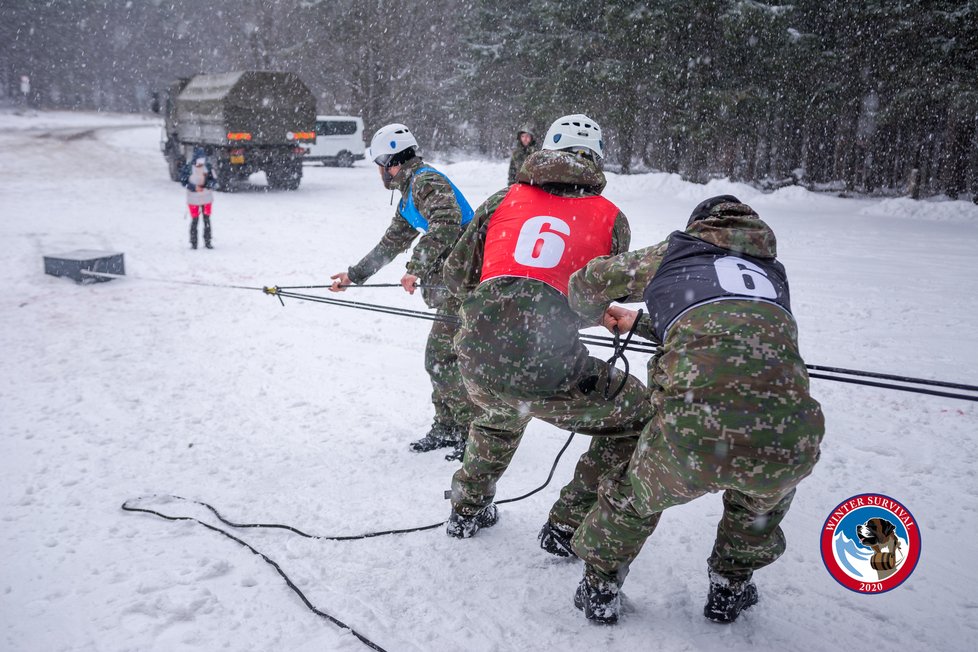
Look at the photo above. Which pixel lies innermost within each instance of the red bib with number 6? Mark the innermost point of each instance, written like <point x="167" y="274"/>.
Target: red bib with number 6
<point x="534" y="234"/>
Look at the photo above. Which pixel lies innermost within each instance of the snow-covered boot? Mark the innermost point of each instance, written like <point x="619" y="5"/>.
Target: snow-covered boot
<point x="458" y="452"/>
<point x="207" y="232"/>
<point x="440" y="436"/>
<point x="727" y="599"/>
<point x="556" y="539"/>
<point x="193" y="232"/>
<point x="461" y="434"/>
<point x="600" y="600"/>
<point x="464" y="527"/>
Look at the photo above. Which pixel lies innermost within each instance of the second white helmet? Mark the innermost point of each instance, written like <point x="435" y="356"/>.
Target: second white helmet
<point x="390" y="140"/>
<point x="575" y="130"/>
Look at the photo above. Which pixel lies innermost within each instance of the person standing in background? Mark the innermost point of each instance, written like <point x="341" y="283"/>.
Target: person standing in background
<point x="198" y="178"/>
<point x="526" y="144"/>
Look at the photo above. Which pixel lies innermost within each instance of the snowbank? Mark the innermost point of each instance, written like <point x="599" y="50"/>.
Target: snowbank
<point x="924" y="210"/>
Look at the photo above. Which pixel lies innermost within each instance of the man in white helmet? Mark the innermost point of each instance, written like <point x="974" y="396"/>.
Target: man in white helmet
<point x="432" y="206"/>
<point x="518" y="346"/>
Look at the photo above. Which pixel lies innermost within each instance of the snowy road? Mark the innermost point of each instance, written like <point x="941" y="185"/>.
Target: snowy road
<point x="302" y="416"/>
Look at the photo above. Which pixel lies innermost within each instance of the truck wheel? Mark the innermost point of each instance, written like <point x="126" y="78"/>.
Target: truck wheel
<point x="285" y="176"/>
<point x="344" y="159"/>
<point x="225" y="178"/>
<point x="174" y="165"/>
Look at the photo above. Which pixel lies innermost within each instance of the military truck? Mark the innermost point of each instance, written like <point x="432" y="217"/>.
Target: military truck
<point x="246" y="121"/>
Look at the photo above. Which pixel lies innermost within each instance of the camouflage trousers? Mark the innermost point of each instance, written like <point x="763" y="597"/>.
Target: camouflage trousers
<point x="662" y="474"/>
<point x="495" y="435"/>
<point x="453" y="407"/>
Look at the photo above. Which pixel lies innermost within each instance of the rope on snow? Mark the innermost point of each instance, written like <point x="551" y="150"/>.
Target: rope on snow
<point x="268" y="560"/>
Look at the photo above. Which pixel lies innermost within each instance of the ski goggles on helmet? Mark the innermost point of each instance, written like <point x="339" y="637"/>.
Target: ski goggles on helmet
<point x="395" y="158"/>
<point x="384" y="160"/>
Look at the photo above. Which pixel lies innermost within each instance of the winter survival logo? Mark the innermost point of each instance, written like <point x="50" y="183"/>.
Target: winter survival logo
<point x="870" y="543"/>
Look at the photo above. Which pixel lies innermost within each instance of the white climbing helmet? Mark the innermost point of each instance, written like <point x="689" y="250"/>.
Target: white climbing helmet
<point x="390" y="140"/>
<point x="572" y="131"/>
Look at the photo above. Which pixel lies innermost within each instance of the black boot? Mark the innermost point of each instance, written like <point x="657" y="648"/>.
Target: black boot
<point x="600" y="600"/>
<point x="556" y="539"/>
<point x="440" y="436"/>
<point x="207" y="232"/>
<point x="458" y="452"/>
<point x="193" y="232"/>
<point x="464" y="527"/>
<point x="727" y="599"/>
<point x="461" y="434"/>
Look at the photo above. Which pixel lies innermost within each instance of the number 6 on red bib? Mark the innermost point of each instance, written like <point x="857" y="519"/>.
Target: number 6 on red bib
<point x="534" y="234"/>
<point x="540" y="243"/>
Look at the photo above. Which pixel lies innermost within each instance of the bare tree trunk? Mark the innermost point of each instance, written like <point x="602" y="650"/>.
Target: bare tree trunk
<point x="959" y="134"/>
<point x="913" y="185"/>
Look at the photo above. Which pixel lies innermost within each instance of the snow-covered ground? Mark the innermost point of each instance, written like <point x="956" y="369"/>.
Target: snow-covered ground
<point x="302" y="415"/>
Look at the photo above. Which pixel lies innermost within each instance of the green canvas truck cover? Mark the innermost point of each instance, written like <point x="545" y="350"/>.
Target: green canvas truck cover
<point x="267" y="105"/>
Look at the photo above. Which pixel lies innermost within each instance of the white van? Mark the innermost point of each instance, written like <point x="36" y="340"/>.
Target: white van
<point x="339" y="140"/>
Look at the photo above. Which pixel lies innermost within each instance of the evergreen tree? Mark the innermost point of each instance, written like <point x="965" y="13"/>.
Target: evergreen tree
<point x="867" y="95"/>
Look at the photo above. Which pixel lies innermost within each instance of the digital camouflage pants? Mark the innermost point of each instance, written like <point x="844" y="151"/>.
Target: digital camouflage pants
<point x="495" y="435"/>
<point x="662" y="474"/>
<point x="453" y="407"/>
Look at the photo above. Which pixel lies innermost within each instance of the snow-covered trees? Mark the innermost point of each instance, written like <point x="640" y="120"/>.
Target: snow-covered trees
<point x="862" y="96"/>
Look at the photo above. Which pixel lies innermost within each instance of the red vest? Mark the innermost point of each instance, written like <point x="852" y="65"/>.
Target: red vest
<point x="534" y="234"/>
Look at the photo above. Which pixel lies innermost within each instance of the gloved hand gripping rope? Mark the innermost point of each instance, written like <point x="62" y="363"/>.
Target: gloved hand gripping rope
<point x="619" y="354"/>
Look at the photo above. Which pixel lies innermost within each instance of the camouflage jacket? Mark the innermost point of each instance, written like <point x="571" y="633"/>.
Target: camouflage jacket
<point x="516" y="161"/>
<point x="519" y="335"/>
<point x="435" y="200"/>
<point x="729" y="378"/>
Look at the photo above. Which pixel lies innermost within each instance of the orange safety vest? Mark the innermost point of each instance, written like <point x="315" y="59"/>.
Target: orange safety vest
<point x="534" y="234"/>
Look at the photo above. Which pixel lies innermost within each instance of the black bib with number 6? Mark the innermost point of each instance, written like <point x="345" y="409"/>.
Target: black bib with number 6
<point x="694" y="272"/>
